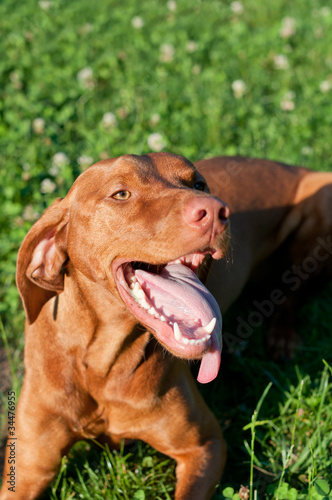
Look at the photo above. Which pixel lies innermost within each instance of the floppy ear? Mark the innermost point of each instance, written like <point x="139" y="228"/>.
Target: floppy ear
<point x="39" y="274"/>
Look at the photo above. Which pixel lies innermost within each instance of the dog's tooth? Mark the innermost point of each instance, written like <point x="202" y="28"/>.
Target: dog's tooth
<point x="177" y="332"/>
<point x="209" y="328"/>
<point x="143" y="303"/>
<point x="133" y="279"/>
<point x="140" y="293"/>
<point x="162" y="318"/>
<point x="152" y="311"/>
<point x="185" y="340"/>
<point x="132" y="286"/>
<point x="193" y="342"/>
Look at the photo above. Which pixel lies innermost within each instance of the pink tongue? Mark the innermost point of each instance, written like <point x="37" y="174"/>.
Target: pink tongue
<point x="210" y="363"/>
<point x="179" y="284"/>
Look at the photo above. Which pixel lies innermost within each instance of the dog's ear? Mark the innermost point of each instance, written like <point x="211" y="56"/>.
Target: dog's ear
<point x="40" y="260"/>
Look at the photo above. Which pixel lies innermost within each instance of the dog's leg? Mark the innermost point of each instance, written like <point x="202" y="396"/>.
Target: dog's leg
<point x="190" y="434"/>
<point x="199" y="470"/>
<point x="34" y="453"/>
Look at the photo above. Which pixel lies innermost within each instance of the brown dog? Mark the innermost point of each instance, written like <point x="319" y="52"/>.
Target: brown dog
<point x="91" y="368"/>
<point x="113" y="261"/>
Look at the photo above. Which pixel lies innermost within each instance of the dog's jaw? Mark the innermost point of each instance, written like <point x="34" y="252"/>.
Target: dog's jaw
<point x="176" y="308"/>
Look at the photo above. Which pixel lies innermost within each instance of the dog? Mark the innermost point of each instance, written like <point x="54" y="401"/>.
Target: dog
<point x="108" y="279"/>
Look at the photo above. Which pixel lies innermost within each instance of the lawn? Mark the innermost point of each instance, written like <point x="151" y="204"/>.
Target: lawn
<point x="81" y="81"/>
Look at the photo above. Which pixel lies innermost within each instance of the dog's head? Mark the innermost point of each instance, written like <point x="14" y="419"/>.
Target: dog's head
<point x="141" y="227"/>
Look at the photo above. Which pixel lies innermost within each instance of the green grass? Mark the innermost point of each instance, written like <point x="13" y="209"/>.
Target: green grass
<point x="136" y="474"/>
<point x="285" y="113"/>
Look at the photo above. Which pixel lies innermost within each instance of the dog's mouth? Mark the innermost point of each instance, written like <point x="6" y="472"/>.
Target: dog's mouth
<point x="175" y="305"/>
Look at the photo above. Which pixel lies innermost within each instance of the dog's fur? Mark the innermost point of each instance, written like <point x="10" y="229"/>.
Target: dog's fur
<point x="91" y="368"/>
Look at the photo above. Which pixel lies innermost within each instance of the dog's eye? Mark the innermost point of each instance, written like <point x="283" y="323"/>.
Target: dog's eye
<point x="122" y="195"/>
<point x="200" y="186"/>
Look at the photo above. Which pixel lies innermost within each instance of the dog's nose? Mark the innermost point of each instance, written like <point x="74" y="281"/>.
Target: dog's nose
<point x="201" y="212"/>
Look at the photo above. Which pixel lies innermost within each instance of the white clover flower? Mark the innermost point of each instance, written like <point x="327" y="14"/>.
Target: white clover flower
<point x="14" y="76"/>
<point x="191" y="46"/>
<point x="281" y="61"/>
<point x="306" y="150"/>
<point x="155" y="118"/>
<point x="109" y="120"/>
<point x="54" y="171"/>
<point x="122" y="113"/>
<point x="85" y="77"/>
<point x="290" y="95"/>
<point x="38" y="125"/>
<point x="196" y="69"/>
<point x="325" y="86"/>
<point x="137" y="22"/>
<point x="85" y="29"/>
<point x="287" y="103"/>
<point x="171" y="4"/>
<point x="60" y="160"/>
<point x="325" y="11"/>
<point x="45" y="4"/>
<point x="15" y="79"/>
<point x="287" y="27"/>
<point x="47" y="186"/>
<point x="239" y="88"/>
<point x="85" y="73"/>
<point x="30" y="214"/>
<point x="237" y="7"/>
<point x="167" y="53"/>
<point x="156" y="142"/>
<point x="26" y="176"/>
<point x="85" y="161"/>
